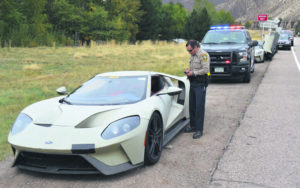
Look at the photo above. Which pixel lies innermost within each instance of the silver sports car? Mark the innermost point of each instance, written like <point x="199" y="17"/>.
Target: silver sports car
<point x="112" y="123"/>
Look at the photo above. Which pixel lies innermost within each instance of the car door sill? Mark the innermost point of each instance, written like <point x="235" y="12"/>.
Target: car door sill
<point x="174" y="130"/>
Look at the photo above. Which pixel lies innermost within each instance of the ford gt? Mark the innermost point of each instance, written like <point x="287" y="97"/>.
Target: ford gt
<point x="112" y="123"/>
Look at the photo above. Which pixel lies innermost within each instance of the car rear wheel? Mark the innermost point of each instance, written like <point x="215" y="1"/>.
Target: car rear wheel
<point x="154" y="139"/>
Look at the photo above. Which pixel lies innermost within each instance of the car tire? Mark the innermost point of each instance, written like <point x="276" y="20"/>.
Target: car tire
<point x="154" y="139"/>
<point x="247" y="77"/>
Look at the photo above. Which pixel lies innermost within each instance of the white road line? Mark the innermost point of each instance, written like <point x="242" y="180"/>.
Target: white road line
<point x="296" y="59"/>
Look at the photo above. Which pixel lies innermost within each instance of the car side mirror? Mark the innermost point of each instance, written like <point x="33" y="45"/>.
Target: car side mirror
<point x="254" y="43"/>
<point x="171" y="91"/>
<point x="62" y="90"/>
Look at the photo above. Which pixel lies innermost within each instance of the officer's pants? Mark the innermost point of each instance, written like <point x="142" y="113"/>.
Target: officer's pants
<point x="197" y="105"/>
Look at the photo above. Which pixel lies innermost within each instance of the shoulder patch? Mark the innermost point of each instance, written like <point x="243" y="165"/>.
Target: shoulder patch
<point x="205" y="58"/>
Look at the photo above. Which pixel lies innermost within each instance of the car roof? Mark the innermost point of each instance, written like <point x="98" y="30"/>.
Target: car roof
<point x="287" y="31"/>
<point x="128" y="73"/>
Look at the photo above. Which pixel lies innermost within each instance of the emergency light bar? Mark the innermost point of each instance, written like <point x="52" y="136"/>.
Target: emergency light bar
<point x="225" y="27"/>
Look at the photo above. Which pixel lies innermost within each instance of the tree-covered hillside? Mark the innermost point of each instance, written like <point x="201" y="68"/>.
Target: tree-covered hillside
<point x="68" y="22"/>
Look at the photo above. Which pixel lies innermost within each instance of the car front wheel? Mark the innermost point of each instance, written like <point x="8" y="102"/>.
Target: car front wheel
<point x="154" y="139"/>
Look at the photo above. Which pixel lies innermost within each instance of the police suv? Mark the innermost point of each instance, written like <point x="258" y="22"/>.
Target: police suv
<point x="231" y="52"/>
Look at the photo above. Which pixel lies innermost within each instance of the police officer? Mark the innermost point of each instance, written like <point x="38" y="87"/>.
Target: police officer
<point x="197" y="74"/>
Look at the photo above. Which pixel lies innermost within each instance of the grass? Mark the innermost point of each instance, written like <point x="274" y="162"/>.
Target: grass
<point x="256" y="34"/>
<point x="28" y="75"/>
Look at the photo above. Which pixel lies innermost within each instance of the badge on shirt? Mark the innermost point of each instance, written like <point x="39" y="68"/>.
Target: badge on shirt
<point x="205" y="58"/>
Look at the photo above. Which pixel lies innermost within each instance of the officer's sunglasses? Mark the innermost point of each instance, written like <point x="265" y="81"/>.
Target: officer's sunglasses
<point x="190" y="50"/>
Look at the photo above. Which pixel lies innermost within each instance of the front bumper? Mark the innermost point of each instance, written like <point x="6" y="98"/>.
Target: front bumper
<point x="61" y="145"/>
<point x="283" y="45"/>
<point x="67" y="164"/>
<point x="230" y="71"/>
<point x="259" y="58"/>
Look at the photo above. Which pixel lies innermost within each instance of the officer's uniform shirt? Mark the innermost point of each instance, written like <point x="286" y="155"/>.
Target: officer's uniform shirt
<point x="199" y="63"/>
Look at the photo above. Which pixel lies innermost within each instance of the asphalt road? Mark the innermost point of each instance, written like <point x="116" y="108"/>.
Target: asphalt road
<point x="185" y="162"/>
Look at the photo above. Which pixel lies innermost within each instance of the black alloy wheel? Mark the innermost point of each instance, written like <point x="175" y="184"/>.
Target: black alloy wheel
<point x="154" y="139"/>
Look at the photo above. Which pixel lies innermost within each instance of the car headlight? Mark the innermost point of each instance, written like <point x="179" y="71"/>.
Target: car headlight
<point x="243" y="56"/>
<point x="121" y="127"/>
<point x="20" y="124"/>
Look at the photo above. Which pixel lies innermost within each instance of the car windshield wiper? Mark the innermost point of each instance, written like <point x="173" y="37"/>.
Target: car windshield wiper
<point x="210" y="43"/>
<point x="65" y="101"/>
<point x="228" y="42"/>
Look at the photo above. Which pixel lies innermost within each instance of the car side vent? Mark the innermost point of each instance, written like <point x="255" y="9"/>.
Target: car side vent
<point x="43" y="125"/>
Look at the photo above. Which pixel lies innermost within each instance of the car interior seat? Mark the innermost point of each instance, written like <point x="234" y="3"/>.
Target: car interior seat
<point x="157" y="84"/>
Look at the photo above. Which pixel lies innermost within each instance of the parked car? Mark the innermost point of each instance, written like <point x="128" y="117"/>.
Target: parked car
<point x="290" y="34"/>
<point x="179" y="40"/>
<point x="284" y="41"/>
<point x="259" y="52"/>
<point x="112" y="123"/>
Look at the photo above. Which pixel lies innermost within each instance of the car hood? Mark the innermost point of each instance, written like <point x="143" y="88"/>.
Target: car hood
<point x="224" y="47"/>
<point x="51" y="112"/>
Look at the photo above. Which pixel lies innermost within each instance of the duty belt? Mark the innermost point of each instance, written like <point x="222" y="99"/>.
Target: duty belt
<point x="200" y="79"/>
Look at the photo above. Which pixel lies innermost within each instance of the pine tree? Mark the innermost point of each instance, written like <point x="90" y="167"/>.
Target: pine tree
<point x="197" y="24"/>
<point x="129" y="11"/>
<point x="149" y="25"/>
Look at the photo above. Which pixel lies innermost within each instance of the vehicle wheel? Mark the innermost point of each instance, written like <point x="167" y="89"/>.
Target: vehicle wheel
<point x="247" y="77"/>
<point x="154" y="139"/>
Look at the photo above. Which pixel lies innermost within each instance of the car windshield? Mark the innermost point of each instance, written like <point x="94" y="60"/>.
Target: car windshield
<point x="102" y="90"/>
<point x="290" y="33"/>
<point x="258" y="47"/>
<point x="224" y="37"/>
<point x="283" y="37"/>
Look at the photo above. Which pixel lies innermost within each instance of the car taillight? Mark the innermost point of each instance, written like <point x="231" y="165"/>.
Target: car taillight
<point x="227" y="61"/>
